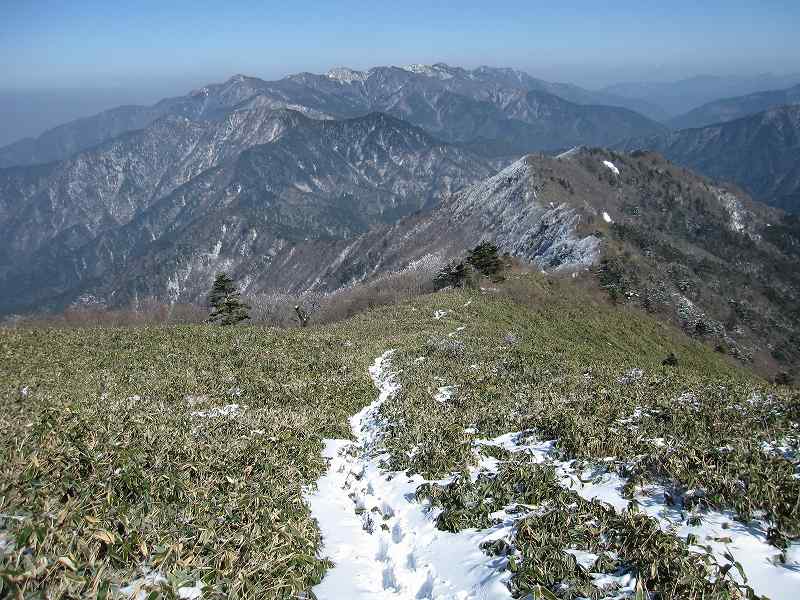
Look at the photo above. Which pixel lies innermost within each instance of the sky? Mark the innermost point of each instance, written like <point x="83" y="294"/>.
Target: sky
<point x="144" y="50"/>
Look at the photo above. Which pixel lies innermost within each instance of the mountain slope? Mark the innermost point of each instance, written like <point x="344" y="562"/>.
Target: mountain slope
<point x="652" y="234"/>
<point x="761" y="153"/>
<point x="212" y="102"/>
<point x="730" y="109"/>
<point x="570" y="92"/>
<point x="483" y="82"/>
<point x="105" y="187"/>
<point x="312" y="180"/>
<point x="544" y="384"/>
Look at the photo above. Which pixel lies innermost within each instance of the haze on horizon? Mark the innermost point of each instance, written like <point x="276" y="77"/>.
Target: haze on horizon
<point x="61" y="60"/>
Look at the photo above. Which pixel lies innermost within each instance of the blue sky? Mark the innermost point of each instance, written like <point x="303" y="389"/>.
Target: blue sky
<point x="80" y="43"/>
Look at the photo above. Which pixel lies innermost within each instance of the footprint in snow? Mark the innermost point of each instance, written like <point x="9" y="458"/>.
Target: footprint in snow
<point x="389" y="579"/>
<point x="426" y="589"/>
<point x="383" y="551"/>
<point x="397" y="533"/>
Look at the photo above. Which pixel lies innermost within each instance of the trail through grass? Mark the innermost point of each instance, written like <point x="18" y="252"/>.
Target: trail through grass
<point x="187" y="451"/>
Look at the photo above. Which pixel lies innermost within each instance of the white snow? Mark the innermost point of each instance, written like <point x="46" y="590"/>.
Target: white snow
<point x="191" y="593"/>
<point x="445" y="393"/>
<point x="734" y="207"/>
<point x="385" y="544"/>
<point x="607" y="218"/>
<point x="214" y="254"/>
<point x="718" y="530"/>
<point x="611" y="166"/>
<point x="218" y="411"/>
<point x="584" y="558"/>
<point x="439" y="314"/>
<point x="435" y="71"/>
<point x="346" y="75"/>
<point x="140" y="589"/>
<point x="571" y="152"/>
<point x="624" y="586"/>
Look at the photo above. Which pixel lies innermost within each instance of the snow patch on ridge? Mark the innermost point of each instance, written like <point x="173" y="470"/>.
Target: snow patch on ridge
<point x="571" y="152"/>
<point x="436" y="71"/>
<point x="740" y="219"/>
<point x="346" y="75"/>
<point x="611" y="166"/>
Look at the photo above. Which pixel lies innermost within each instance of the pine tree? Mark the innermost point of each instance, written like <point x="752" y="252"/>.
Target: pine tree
<point x="485" y="258"/>
<point x="454" y="274"/>
<point x="223" y="285"/>
<point x="226" y="305"/>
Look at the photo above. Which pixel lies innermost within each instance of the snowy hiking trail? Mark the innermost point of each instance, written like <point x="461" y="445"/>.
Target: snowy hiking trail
<point x="385" y="544"/>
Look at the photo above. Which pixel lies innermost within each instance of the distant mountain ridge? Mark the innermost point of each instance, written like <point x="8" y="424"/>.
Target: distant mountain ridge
<point x="453" y="103"/>
<point x="679" y="97"/>
<point x="759" y="152"/>
<point x="730" y="109"/>
<point x="316" y="182"/>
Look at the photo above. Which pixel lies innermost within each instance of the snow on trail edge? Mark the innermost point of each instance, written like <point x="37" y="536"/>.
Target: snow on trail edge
<point x="718" y="532"/>
<point x="383" y="543"/>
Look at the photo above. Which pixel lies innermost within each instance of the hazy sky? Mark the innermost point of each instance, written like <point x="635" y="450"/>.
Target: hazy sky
<point x="78" y="43"/>
<point x="61" y="59"/>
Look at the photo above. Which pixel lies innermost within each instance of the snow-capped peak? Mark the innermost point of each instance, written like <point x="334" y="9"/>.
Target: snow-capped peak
<point x="346" y="75"/>
<point x="438" y="71"/>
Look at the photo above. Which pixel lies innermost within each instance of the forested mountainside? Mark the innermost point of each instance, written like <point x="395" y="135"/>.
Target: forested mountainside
<point x="730" y="109"/>
<point x="179" y="186"/>
<point x="761" y="153"/>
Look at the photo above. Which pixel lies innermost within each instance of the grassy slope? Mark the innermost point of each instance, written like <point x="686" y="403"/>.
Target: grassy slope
<point x="103" y="460"/>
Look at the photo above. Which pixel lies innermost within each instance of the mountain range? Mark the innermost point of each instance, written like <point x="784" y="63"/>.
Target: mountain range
<point x="678" y="97"/>
<point x="316" y="182"/>
<point x="730" y="109"/>
<point x="759" y="152"/>
<point x="457" y="105"/>
<point x="300" y="178"/>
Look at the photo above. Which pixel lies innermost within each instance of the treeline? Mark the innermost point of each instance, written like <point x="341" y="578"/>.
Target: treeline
<point x="226" y="305"/>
